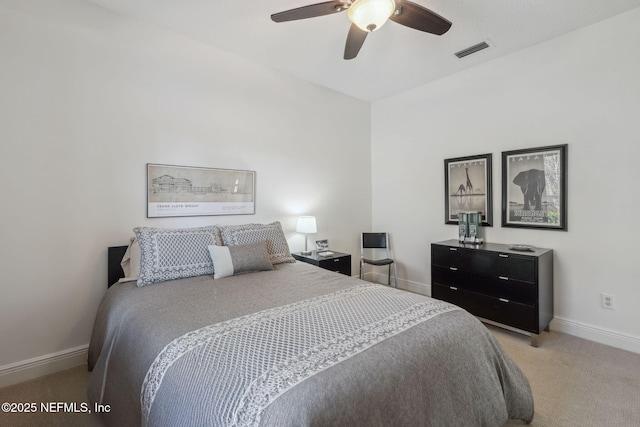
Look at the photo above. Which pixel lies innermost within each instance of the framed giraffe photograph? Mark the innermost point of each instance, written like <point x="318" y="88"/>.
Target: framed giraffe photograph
<point x="467" y="186"/>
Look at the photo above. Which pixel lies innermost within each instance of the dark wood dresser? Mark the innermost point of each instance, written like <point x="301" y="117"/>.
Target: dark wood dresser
<point x="509" y="288"/>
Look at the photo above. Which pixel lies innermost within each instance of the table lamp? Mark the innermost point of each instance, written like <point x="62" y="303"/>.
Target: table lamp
<point x="306" y="225"/>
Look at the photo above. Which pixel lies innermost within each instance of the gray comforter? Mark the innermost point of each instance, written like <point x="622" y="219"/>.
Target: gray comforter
<point x="300" y="346"/>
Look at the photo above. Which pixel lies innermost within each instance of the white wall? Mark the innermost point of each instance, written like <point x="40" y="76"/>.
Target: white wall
<point x="581" y="89"/>
<point x="88" y="97"/>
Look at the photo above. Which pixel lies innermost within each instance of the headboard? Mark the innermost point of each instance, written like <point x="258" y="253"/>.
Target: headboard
<point x="114" y="270"/>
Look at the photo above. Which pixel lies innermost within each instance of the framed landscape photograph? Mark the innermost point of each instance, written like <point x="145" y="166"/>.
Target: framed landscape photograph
<point x="534" y="188"/>
<point x="194" y="191"/>
<point x="467" y="184"/>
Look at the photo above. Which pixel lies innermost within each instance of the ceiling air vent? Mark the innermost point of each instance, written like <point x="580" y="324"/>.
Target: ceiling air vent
<point x="473" y="49"/>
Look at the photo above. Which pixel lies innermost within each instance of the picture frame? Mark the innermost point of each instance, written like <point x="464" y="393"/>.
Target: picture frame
<point x="322" y="245"/>
<point x="534" y="188"/>
<point x="198" y="191"/>
<point x="468" y="187"/>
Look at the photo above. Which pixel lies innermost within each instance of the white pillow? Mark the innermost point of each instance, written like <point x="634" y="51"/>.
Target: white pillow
<point x="131" y="262"/>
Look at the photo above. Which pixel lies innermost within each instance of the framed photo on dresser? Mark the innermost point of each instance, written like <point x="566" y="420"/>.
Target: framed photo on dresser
<point x="322" y="245"/>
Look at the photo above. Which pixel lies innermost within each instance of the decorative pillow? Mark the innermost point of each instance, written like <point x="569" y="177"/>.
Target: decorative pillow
<point x="232" y="260"/>
<point x="131" y="262"/>
<point x="277" y="245"/>
<point x="176" y="253"/>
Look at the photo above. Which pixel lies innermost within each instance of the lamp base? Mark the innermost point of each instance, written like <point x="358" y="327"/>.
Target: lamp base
<point x="305" y="253"/>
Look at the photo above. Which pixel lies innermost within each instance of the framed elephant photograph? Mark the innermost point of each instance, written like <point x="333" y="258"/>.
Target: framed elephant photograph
<point x="534" y="188"/>
<point x="467" y="186"/>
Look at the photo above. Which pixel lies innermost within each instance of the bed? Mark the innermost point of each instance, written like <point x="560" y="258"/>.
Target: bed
<point x="275" y="342"/>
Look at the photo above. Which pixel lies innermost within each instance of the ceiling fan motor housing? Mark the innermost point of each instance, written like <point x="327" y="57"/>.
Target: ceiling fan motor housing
<point x="369" y="15"/>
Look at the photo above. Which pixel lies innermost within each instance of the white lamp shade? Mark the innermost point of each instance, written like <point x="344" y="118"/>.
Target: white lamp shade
<point x="306" y="224"/>
<point x="369" y="15"/>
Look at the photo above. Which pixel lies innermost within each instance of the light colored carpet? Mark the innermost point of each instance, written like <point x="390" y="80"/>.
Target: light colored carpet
<point x="575" y="383"/>
<point x="68" y="386"/>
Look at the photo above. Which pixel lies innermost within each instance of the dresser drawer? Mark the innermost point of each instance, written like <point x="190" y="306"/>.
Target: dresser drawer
<point x="340" y="265"/>
<point x="447" y="256"/>
<point x="518" y="267"/>
<point x="508" y="265"/>
<point x="501" y="310"/>
<point x="500" y="287"/>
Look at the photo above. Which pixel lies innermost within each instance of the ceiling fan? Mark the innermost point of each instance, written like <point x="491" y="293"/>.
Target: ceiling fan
<point x="369" y="15"/>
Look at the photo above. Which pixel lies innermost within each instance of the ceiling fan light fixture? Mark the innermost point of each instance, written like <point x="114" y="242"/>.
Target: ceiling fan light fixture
<point x="369" y="15"/>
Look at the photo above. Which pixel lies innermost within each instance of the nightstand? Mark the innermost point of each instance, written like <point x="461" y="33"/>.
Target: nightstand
<point x="338" y="262"/>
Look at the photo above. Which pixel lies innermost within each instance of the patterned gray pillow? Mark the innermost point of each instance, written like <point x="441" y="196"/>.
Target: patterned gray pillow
<point x="272" y="233"/>
<point x="175" y="253"/>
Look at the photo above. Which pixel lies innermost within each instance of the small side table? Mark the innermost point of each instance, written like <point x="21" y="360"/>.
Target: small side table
<point x="338" y="262"/>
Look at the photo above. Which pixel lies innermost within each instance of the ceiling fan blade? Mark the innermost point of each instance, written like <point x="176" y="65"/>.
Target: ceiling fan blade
<point x="420" y="18"/>
<point x="355" y="40"/>
<point x="310" y="11"/>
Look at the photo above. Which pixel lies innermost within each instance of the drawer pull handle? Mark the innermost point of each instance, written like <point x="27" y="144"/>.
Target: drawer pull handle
<point x="453" y="288"/>
<point x="336" y="260"/>
<point x="453" y="269"/>
<point x="503" y="277"/>
<point x="453" y="249"/>
<point x="503" y="255"/>
<point x="503" y="299"/>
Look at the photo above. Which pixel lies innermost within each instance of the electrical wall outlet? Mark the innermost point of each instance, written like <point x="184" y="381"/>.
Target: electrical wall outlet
<point x="607" y="301"/>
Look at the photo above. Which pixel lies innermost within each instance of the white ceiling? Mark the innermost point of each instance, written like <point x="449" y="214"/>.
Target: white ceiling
<point x="393" y="59"/>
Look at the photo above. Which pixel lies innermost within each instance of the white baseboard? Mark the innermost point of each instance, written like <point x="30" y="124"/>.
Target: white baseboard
<point x="407" y="285"/>
<point x="597" y="334"/>
<point x="418" y="288"/>
<point x="44" y="365"/>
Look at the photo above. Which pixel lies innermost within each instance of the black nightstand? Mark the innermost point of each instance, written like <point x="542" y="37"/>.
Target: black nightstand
<point x="338" y="262"/>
